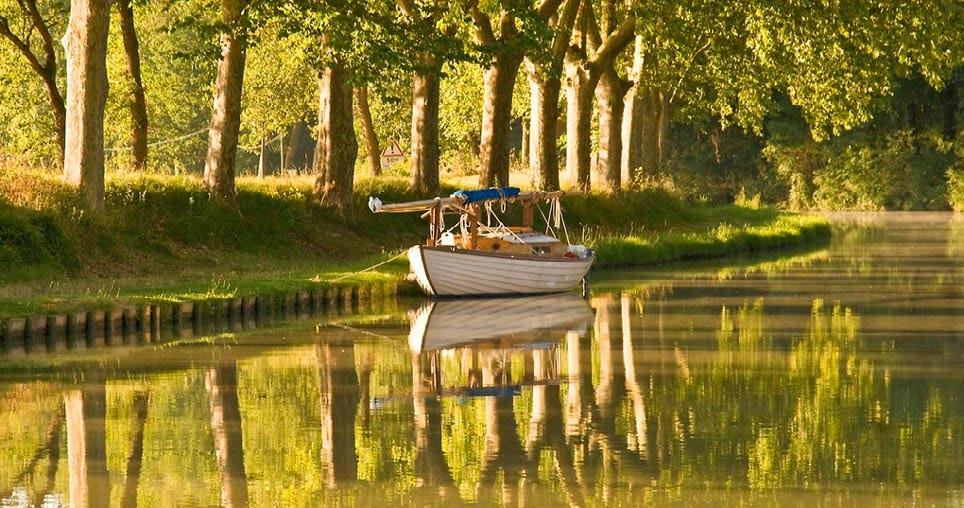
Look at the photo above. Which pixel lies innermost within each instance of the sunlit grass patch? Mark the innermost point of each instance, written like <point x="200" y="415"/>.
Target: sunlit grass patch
<point x="640" y="248"/>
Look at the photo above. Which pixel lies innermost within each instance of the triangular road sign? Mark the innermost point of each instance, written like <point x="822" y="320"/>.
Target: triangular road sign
<point x="392" y="154"/>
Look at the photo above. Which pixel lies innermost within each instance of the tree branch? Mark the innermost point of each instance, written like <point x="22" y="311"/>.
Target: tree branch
<point x="21" y="46"/>
<point x="564" y="28"/>
<point x="407" y="8"/>
<point x="689" y="65"/>
<point x="616" y="42"/>
<point x="483" y="25"/>
<point x="506" y="23"/>
<point x="48" y="43"/>
<point x="594" y="38"/>
<point x="548" y="7"/>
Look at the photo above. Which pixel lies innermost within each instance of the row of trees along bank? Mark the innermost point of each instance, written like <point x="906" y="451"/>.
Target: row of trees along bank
<point x="619" y="70"/>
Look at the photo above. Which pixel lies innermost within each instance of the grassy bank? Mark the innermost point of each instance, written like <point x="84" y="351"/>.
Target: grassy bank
<point x="162" y="238"/>
<point x="781" y="231"/>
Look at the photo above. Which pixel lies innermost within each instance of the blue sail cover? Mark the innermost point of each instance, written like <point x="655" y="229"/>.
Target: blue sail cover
<point x="495" y="193"/>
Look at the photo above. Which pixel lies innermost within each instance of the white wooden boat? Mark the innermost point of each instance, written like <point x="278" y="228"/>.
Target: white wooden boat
<point x="492" y="259"/>
<point x="448" y="271"/>
<point x="529" y="322"/>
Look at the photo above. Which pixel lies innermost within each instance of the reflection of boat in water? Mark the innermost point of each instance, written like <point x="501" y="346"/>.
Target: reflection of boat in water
<point x="529" y="322"/>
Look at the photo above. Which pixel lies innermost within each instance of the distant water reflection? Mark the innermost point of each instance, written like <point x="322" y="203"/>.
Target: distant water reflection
<point x="832" y="378"/>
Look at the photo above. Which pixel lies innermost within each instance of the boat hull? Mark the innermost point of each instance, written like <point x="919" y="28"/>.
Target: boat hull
<point x="443" y="271"/>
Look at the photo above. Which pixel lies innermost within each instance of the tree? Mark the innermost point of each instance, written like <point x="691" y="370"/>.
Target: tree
<point x="610" y="92"/>
<point x="219" y="167"/>
<point x="690" y="58"/>
<point x="426" y="83"/>
<point x="86" y="48"/>
<point x="337" y="147"/>
<point x="280" y="93"/>
<point x="503" y="52"/>
<point x="368" y="128"/>
<point x="45" y="64"/>
<point x="545" y="82"/>
<point x="138" y="104"/>
<point x="587" y="60"/>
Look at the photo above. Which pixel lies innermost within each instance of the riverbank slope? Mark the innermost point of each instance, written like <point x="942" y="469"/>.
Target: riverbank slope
<point x="162" y="238"/>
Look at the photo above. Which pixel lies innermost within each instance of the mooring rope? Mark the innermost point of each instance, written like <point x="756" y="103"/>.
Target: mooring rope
<point x="251" y="149"/>
<point x="162" y="142"/>
<point x="376" y="265"/>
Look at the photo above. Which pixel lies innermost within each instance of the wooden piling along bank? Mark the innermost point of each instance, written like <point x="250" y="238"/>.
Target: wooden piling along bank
<point x="161" y="322"/>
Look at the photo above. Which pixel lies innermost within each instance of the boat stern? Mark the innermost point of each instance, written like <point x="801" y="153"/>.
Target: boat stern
<point x="416" y="262"/>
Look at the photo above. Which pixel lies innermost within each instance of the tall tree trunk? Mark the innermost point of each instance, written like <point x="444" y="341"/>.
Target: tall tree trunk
<point x="337" y="147"/>
<point x="496" y="116"/>
<point x="544" y="115"/>
<point x="631" y="158"/>
<point x="59" y="110"/>
<point x="263" y="159"/>
<point x="85" y="45"/>
<point x="524" y="143"/>
<point x="545" y="83"/>
<point x="609" y="94"/>
<point x="648" y="101"/>
<point x="220" y="166"/>
<point x="425" y="128"/>
<point x="300" y="147"/>
<point x="665" y="113"/>
<point x="579" y="93"/>
<point x="138" y="104"/>
<point x="368" y="127"/>
<point x="632" y="155"/>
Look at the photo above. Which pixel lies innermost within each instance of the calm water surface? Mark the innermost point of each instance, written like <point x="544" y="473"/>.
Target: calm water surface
<point x="833" y="377"/>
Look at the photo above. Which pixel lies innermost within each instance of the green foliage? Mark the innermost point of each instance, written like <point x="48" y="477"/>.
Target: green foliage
<point x="27" y="131"/>
<point x="280" y="87"/>
<point x="895" y="171"/>
<point x="460" y="110"/>
<point x="955" y="186"/>
<point x="177" y="69"/>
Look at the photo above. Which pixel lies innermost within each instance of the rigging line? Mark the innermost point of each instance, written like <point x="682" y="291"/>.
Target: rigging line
<point x="256" y="149"/>
<point x="376" y="265"/>
<point x="549" y="229"/>
<point x="358" y="330"/>
<point x="560" y="218"/>
<point x="162" y="142"/>
<point x="506" y="228"/>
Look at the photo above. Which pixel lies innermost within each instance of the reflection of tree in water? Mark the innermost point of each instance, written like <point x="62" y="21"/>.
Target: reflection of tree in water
<point x="431" y="470"/>
<point x="631" y="411"/>
<point x="222" y="386"/>
<point x="86" y="415"/>
<point x="821" y="415"/>
<point x="338" y="382"/>
<point x="135" y="455"/>
<point x="503" y="451"/>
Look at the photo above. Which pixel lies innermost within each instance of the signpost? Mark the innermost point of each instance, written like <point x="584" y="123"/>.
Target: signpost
<point x="392" y="154"/>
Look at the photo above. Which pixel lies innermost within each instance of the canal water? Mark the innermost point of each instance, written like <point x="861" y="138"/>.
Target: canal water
<point x="825" y="377"/>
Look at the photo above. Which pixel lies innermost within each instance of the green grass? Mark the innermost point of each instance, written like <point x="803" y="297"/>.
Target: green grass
<point x="727" y="238"/>
<point x="162" y="239"/>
